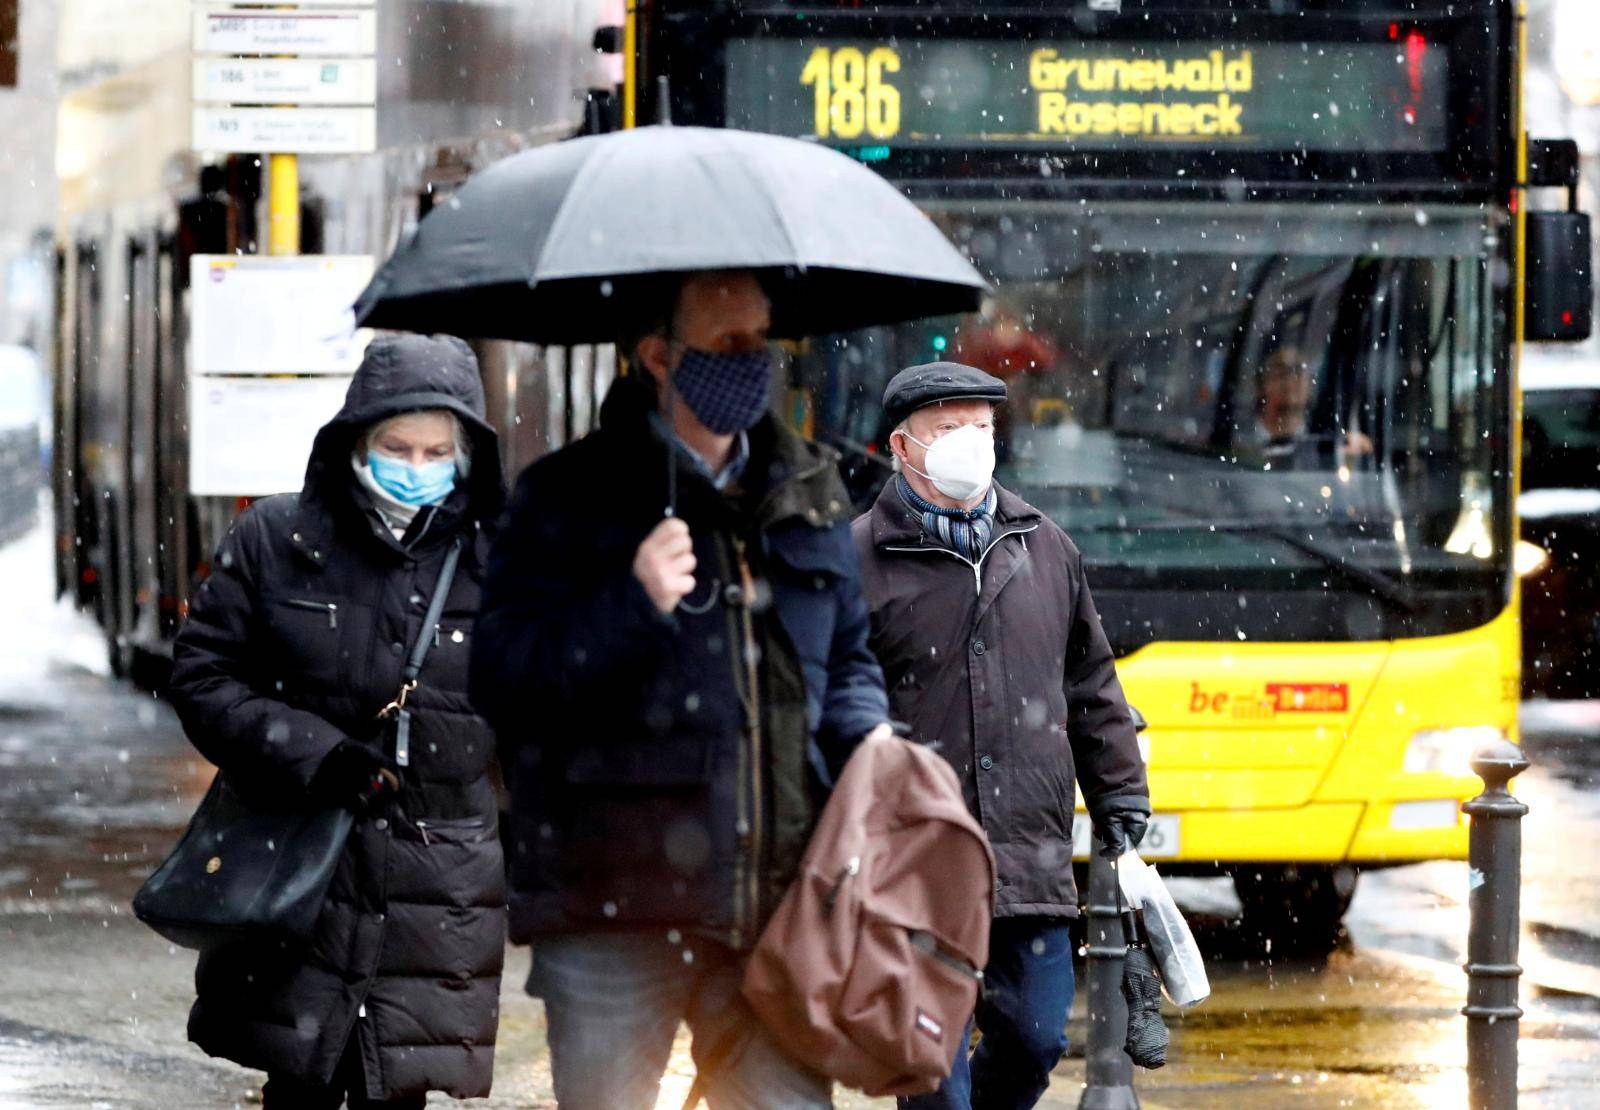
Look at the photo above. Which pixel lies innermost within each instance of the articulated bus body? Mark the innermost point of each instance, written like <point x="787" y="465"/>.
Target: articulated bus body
<point x="461" y="87"/>
<point x="1255" y="279"/>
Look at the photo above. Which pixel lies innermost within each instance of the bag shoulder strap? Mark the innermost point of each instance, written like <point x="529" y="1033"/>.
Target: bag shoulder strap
<point x="724" y="1050"/>
<point x="441" y="589"/>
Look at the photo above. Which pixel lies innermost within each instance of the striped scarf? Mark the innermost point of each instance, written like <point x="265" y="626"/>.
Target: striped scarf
<point x="963" y="531"/>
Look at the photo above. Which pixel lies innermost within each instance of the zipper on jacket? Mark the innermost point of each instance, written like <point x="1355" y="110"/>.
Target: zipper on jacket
<point x="464" y="824"/>
<point x="977" y="567"/>
<point x="748" y="898"/>
<point x="741" y="815"/>
<point x="328" y="607"/>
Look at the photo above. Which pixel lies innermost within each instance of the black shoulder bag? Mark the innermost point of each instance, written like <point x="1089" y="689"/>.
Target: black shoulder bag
<point x="240" y="872"/>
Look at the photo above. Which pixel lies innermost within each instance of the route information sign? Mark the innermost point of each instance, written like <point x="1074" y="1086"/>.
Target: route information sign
<point x="927" y="92"/>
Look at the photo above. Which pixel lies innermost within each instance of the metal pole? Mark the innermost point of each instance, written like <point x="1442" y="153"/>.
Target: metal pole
<point x="1495" y="855"/>
<point x="1108" y="1078"/>
<point x="283" y="204"/>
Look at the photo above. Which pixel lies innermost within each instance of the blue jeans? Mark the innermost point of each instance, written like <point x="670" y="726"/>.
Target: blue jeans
<point x="613" y="1002"/>
<point x="1022" y="1019"/>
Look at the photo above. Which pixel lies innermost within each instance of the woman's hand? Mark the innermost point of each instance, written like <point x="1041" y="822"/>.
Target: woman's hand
<point x="355" y="776"/>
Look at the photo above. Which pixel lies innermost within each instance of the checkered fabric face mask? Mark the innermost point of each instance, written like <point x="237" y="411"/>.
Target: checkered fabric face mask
<point x="727" y="393"/>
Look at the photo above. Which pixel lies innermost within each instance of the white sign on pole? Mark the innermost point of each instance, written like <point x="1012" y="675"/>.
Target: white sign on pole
<point x="285" y="130"/>
<point x="260" y="314"/>
<point x="285" y="81"/>
<point x="323" y="32"/>
<point x="250" y="437"/>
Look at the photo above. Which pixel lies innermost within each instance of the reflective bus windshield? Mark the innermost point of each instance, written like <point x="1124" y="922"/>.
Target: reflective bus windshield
<point x="1198" y="389"/>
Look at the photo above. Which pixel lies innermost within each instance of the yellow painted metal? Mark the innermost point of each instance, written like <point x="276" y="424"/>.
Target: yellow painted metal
<point x="1519" y="283"/>
<point x="283" y="204"/>
<point x="1292" y="751"/>
<point x="630" y="67"/>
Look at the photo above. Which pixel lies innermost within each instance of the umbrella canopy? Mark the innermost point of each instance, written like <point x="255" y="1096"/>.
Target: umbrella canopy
<point x="547" y="246"/>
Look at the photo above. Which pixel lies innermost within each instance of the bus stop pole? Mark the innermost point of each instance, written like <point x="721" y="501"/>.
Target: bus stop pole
<point x="1108" y="1078"/>
<point x="1494" y="854"/>
<point x="283" y="204"/>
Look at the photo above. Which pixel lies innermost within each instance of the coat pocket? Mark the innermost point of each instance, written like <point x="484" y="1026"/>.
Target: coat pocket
<point x="451" y="830"/>
<point x="328" y="609"/>
<point x="307" y="637"/>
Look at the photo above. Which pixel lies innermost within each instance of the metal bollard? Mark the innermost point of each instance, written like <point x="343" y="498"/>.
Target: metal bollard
<point x="1495" y="854"/>
<point x="1108" y="1079"/>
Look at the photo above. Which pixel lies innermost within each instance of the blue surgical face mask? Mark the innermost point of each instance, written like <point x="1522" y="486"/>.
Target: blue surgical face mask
<point x="726" y="393"/>
<point x="427" y="484"/>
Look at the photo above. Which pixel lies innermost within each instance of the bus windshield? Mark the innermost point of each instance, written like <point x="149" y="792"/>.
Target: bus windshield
<point x="1202" y="389"/>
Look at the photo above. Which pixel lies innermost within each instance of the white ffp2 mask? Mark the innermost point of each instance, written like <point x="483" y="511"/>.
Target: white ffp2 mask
<point x="960" y="463"/>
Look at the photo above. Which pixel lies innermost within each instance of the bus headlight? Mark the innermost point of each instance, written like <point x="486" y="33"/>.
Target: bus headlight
<point x="1447" y="751"/>
<point x="1528" y="558"/>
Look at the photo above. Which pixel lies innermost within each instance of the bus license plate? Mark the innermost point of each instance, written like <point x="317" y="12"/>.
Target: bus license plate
<point x="1160" y="839"/>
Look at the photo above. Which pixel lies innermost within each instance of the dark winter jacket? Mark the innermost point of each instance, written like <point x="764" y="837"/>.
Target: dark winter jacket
<point x="647" y="787"/>
<point x="293" y="644"/>
<point x="1004" y="668"/>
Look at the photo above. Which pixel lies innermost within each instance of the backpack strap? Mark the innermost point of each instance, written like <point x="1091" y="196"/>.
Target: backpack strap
<point x="728" y="1047"/>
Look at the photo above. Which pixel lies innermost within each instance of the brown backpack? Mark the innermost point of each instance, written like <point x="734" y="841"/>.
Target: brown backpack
<point x="870" y="968"/>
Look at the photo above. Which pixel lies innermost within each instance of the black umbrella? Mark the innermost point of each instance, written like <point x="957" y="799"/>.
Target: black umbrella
<point x="545" y="246"/>
<point x="1147" y="1039"/>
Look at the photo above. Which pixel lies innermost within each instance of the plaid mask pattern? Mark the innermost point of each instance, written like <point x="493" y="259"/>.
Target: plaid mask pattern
<point x="726" y="393"/>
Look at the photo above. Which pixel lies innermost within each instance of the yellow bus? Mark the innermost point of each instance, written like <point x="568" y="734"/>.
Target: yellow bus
<point x="1258" y="275"/>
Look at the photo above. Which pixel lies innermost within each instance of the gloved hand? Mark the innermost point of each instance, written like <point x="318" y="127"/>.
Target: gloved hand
<point x="355" y="776"/>
<point x="1120" y="823"/>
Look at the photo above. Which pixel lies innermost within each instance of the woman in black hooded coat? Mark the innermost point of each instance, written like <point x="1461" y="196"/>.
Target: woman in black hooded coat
<point x="293" y="645"/>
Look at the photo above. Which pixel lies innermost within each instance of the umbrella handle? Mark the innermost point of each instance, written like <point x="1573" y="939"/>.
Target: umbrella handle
<point x="672" y="450"/>
<point x="663" y="101"/>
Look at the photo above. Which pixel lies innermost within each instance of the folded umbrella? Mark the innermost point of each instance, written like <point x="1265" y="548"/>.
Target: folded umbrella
<point x="1147" y="1038"/>
<point x="546" y="246"/>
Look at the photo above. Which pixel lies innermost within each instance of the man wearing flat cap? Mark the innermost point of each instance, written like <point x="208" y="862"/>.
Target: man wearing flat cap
<point x="994" y="655"/>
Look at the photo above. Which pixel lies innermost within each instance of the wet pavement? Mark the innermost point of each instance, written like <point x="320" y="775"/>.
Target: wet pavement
<point x="96" y="780"/>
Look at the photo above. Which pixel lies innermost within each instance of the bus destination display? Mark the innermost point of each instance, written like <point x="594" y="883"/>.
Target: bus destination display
<point x="915" y="92"/>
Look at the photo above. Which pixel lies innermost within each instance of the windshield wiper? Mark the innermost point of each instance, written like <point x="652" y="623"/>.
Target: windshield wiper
<point x="1376" y="582"/>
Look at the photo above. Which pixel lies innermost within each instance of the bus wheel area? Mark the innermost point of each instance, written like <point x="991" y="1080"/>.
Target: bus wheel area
<point x="1295" y="909"/>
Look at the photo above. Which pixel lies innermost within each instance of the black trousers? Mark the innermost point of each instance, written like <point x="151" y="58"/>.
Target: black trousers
<point x="284" y="1093"/>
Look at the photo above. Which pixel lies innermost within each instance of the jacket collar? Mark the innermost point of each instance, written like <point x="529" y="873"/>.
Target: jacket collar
<point x="317" y="524"/>
<point x="894" y="524"/>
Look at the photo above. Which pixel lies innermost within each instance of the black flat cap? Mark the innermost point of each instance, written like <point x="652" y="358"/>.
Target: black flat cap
<point x="917" y="386"/>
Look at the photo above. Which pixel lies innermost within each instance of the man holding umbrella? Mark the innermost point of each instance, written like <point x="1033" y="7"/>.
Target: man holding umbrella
<point x="670" y="695"/>
<point x="673" y="644"/>
<point x="994" y="654"/>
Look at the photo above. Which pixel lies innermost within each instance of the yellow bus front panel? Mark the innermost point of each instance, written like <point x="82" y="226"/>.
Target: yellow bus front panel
<point x="1322" y="752"/>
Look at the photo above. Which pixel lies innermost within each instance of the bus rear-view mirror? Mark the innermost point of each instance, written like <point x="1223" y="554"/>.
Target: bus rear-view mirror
<point x="1559" y="265"/>
<point x="1560" y="277"/>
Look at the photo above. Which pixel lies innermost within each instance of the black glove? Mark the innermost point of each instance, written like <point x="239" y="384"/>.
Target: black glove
<point x="1120" y="824"/>
<point x="355" y="776"/>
